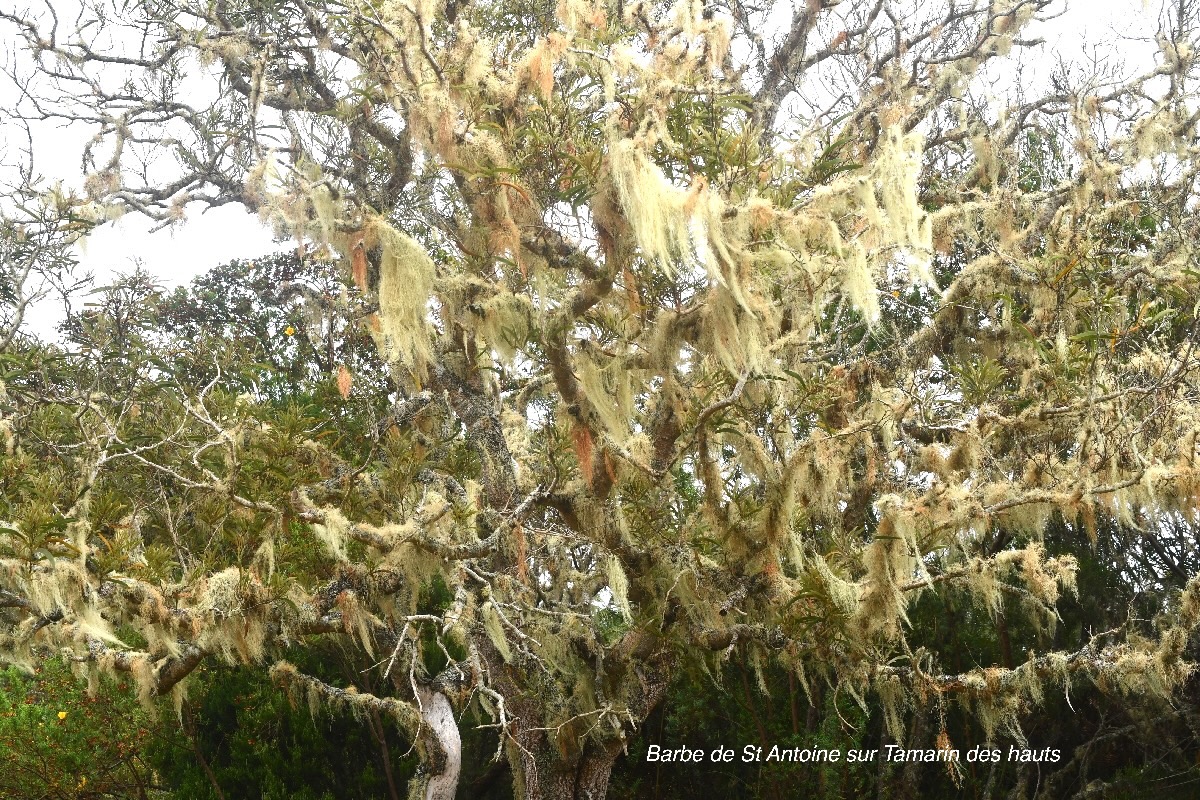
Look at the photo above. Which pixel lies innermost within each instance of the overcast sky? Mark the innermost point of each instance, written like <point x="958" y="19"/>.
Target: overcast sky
<point x="208" y="239"/>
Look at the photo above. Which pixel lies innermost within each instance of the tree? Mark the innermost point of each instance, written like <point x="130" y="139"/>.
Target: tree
<point x="290" y="318"/>
<point x="35" y="263"/>
<point x="74" y="746"/>
<point x="701" y="343"/>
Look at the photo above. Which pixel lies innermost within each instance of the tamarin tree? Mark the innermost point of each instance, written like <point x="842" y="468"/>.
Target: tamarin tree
<point x="707" y="339"/>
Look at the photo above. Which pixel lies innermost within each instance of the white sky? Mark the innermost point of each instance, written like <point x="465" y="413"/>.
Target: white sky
<point x="206" y="240"/>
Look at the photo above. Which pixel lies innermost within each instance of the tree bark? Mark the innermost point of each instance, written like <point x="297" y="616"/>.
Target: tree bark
<point x="574" y="760"/>
<point x="547" y="775"/>
<point x="442" y="745"/>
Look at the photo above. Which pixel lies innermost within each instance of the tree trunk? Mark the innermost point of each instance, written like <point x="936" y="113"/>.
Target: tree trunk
<point x="572" y="761"/>
<point x="441" y="745"/>
<point x="546" y="775"/>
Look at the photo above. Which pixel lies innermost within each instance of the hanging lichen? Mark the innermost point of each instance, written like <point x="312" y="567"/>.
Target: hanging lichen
<point x="406" y="276"/>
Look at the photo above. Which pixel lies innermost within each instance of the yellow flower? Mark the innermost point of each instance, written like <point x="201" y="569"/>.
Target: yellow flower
<point x="62" y="715"/>
<point x="289" y="330"/>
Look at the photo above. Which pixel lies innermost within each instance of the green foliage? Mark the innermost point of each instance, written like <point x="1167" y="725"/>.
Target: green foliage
<point x="737" y="713"/>
<point x="279" y="326"/>
<point x="57" y="742"/>
<point x="979" y="379"/>
<point x="259" y="747"/>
